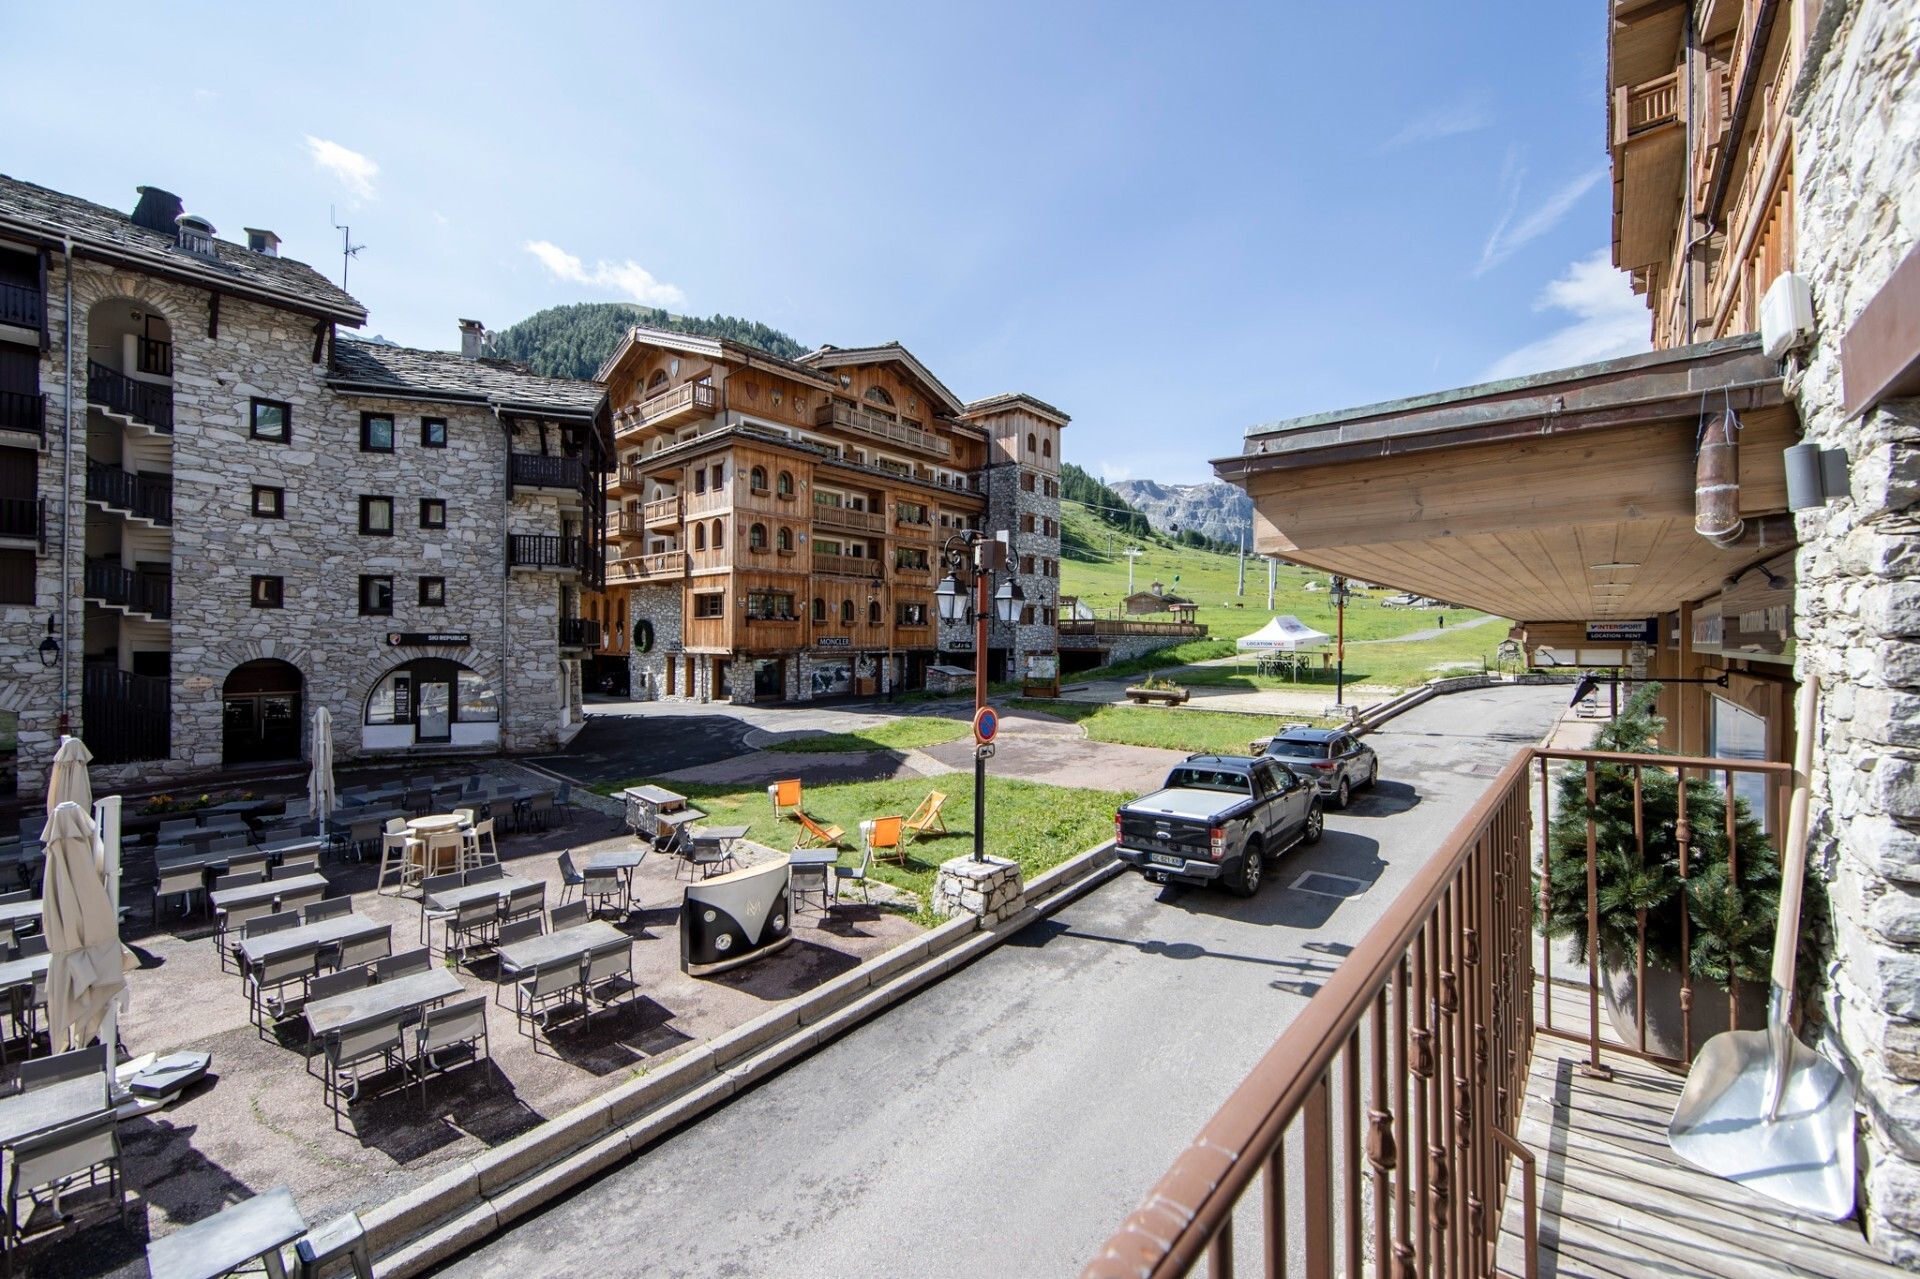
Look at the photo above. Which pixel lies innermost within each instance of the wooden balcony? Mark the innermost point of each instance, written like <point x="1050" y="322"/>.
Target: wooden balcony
<point x="623" y="525"/>
<point x="842" y="517"/>
<point x="914" y="572"/>
<point x="845" y="565"/>
<point x="1649" y="162"/>
<point x="661" y="513"/>
<point x="708" y="503"/>
<point x="539" y="471"/>
<point x="627" y="478"/>
<point x="113" y="585"/>
<point x="658" y="567"/>
<point x="909" y="526"/>
<point x="851" y="417"/>
<point x="669" y="407"/>
<point x="579" y="633"/>
<point x="1641" y="108"/>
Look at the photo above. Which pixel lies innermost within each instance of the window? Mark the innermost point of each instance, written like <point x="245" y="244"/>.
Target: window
<point x="1026" y="523"/>
<point x="476" y="699"/>
<point x="784" y="541"/>
<point x="270" y="420"/>
<point x="1026" y="481"/>
<point x="376" y="432"/>
<point x="719" y="535"/>
<point x="1026" y="616"/>
<point x="910" y="614"/>
<point x="699" y="479"/>
<point x="719" y="476"/>
<point x="376" y="516"/>
<point x="770" y="606"/>
<point x="910" y="557"/>
<point x="433" y="592"/>
<point x="267" y="592"/>
<point x="757" y="537"/>
<point x="1046" y="447"/>
<point x="376" y="596"/>
<point x="16" y="577"/>
<point x="433" y="432"/>
<point x="757" y="479"/>
<point x="911" y="513"/>
<point x="710" y="604"/>
<point x="699" y="537"/>
<point x="1734" y="732"/>
<point x="784" y="485"/>
<point x="873" y="613"/>
<point x="433" y="512"/>
<point x="878" y="395"/>
<point x="819" y="609"/>
<point x="1026" y="565"/>
<point x="1030" y="442"/>
<point x="1047" y="527"/>
<point x="846" y="612"/>
<point x="269" y="503"/>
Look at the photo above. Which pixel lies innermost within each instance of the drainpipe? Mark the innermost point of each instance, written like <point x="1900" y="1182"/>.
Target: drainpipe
<point x="506" y="575"/>
<point x="66" y="504"/>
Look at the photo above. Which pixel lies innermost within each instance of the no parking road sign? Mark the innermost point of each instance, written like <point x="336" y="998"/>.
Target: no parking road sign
<point x="986" y="722"/>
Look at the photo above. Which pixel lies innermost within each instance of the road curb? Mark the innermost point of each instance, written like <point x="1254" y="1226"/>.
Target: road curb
<point x="467" y="1203"/>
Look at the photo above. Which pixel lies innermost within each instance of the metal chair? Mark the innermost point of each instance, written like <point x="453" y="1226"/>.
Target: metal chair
<point x="485" y="874"/>
<point x="429" y="915"/>
<point x="353" y="1052"/>
<point x="342" y="1239"/>
<point x="244" y="879"/>
<point x="517" y="930"/>
<point x="601" y="888"/>
<point x="606" y="974"/>
<point x="363" y="834"/>
<point x="539" y="810"/>
<point x="809" y="878"/>
<point x="233" y="917"/>
<point x="710" y="854"/>
<point x="361" y="951"/>
<point x="38" y="1072"/>
<point x="345" y="981"/>
<point x="301" y="898"/>
<point x="568" y="916"/>
<point x="183" y="882"/>
<point x="267" y="983"/>
<point x="844" y="875"/>
<point x="472" y="924"/>
<point x="563" y="801"/>
<point x="571" y="880"/>
<point x="541" y="991"/>
<point x="460" y="1024"/>
<point x="403" y="965"/>
<point x="328" y="908"/>
<point x="523" y="903"/>
<point x="50" y="1165"/>
<point x="295" y="869"/>
<point x="263" y="925"/>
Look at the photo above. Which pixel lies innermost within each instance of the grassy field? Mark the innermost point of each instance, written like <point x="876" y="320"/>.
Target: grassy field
<point x="894" y="735"/>
<point x="1168" y="727"/>
<point x="1037" y="825"/>
<point x="1094" y="568"/>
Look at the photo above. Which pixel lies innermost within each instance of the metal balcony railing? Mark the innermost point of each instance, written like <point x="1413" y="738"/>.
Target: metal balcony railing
<point x="148" y="496"/>
<point x="579" y="632"/>
<point x="115" y="392"/>
<point x="154" y="356"/>
<point x="126" y="717"/>
<point x="545" y="550"/>
<point x="539" y="471"/>
<point x="112" y="583"/>
<point x="24" y="517"/>
<point x="23" y="411"/>
<point x="22" y="305"/>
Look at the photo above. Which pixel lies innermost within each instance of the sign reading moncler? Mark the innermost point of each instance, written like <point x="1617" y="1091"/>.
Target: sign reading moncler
<point x="429" y="639"/>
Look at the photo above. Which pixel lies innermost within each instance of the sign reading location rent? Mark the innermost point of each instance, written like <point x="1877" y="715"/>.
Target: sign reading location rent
<point x="429" y="639"/>
<point x="1641" y="630"/>
<point x="986" y="722"/>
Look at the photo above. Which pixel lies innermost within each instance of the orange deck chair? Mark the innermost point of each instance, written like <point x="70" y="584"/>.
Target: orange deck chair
<point x="814" y="835"/>
<point x="926" y="818"/>
<point x="882" y="834"/>
<point x="785" y="794"/>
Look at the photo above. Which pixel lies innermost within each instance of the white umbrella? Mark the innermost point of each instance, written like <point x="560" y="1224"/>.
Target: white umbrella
<point x="320" y="793"/>
<point x="87" y="965"/>
<point x="68" y="781"/>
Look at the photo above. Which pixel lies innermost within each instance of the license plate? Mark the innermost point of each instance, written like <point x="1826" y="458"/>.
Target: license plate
<point x="1161" y="859"/>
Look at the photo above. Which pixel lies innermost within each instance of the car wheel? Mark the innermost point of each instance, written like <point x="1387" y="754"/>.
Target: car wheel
<point x="1315" y="827"/>
<point x="1373" y="773"/>
<point x="1253" y="866"/>
<point x="1344" y="795"/>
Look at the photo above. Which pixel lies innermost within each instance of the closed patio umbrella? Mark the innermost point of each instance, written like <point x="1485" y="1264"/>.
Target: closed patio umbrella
<point x="68" y="781"/>
<point x="321" y="798"/>
<point x="87" y="965"/>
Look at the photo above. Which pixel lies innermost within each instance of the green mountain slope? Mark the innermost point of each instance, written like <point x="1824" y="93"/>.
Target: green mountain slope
<point x="573" y="341"/>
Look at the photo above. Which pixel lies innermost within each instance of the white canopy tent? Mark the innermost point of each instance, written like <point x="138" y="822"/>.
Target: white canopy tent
<point x="1283" y="634"/>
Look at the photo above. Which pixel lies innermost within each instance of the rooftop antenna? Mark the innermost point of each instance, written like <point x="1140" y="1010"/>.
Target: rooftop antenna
<point x="348" y="249"/>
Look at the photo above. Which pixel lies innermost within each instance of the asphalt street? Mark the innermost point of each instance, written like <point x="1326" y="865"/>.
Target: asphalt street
<point x="1004" y="1121"/>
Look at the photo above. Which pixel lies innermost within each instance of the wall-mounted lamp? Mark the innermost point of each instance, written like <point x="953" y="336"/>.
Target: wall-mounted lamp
<point x="50" y="646"/>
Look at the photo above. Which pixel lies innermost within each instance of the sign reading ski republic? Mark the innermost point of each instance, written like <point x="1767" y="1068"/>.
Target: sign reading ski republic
<point x="735" y="918"/>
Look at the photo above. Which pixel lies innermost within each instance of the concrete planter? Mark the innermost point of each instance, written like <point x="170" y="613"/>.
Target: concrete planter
<point x="1618" y="992"/>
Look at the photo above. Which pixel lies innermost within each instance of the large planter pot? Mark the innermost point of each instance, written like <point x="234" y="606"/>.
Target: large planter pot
<point x="1619" y="990"/>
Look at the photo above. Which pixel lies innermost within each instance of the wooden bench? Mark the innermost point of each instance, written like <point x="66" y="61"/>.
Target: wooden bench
<point x="1165" y="696"/>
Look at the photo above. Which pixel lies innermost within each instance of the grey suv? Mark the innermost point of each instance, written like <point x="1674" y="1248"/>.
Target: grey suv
<point x="1333" y="759"/>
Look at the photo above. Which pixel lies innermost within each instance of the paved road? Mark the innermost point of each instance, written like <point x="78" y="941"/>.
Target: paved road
<point x="1005" y="1120"/>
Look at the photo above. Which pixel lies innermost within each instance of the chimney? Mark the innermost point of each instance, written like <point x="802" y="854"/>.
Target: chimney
<point x="472" y="335"/>
<point x="196" y="234"/>
<point x="263" y="242"/>
<point x="157" y="210"/>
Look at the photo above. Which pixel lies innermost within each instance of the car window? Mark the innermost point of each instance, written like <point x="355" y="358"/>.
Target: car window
<point x="1286" y="781"/>
<point x="1285" y="749"/>
<point x="1208" y="779"/>
<point x="1264" y="786"/>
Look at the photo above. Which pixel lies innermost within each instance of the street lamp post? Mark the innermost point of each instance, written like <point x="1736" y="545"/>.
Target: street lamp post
<point x="975" y="555"/>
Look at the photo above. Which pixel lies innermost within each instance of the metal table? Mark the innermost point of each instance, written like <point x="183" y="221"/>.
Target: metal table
<point x="623" y="860"/>
<point x="23" y="972"/>
<point x="398" y="994"/>
<point x="455" y="898"/>
<point x="660" y="797"/>
<point x="349" y="927"/>
<point x="553" y="948"/>
<point x="813" y="857"/>
<point x="254" y="894"/>
<point x="12" y="914"/>
<point x="252" y="1230"/>
<point x="29" y="1114"/>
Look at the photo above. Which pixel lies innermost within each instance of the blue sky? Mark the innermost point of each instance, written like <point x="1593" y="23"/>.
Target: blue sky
<point x="1171" y="221"/>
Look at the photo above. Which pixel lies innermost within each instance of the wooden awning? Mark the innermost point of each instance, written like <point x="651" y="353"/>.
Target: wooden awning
<point x="1564" y="496"/>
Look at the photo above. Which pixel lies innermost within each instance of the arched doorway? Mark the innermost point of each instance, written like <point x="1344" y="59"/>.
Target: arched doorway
<point x="262" y="712"/>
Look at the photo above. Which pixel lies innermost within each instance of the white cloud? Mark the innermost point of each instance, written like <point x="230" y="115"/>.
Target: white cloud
<point x="1610" y="320"/>
<point x="350" y="169"/>
<point x="1113" y="472"/>
<point x="1514" y="231"/>
<point x="625" y="277"/>
<point x="1448" y="121"/>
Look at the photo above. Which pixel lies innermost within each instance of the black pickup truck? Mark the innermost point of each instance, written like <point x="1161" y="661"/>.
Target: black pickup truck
<point x="1217" y="821"/>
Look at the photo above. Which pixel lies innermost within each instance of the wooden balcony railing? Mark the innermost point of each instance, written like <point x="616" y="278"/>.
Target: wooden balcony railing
<point x="845" y="565"/>
<point x="546" y="550"/>
<point x="626" y="524"/>
<point x="115" y="392"/>
<point x="23" y="411"/>
<point x="661" y="511"/>
<point x="21" y="305"/>
<point x="1641" y="108"/>
<point x="148" y="496"/>
<point x="686" y="400"/>
<point x="843" y="517"/>
<point x="540" y="471"/>
<point x="657" y="566"/>
<point x="851" y="417"/>
<point x="707" y="503"/>
<point x="579" y="632"/>
<point x="1130" y="626"/>
<point x="1401" y="1084"/>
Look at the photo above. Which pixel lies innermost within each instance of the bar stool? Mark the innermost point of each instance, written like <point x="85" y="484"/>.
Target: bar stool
<point x="444" y="851"/>
<point x="478" y="846"/>
<point x="398" y="857"/>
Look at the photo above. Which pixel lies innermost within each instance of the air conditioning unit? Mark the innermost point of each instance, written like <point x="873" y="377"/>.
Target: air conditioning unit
<point x="1786" y="315"/>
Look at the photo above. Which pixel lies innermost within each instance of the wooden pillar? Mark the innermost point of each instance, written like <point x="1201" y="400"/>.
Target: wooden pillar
<point x="1688" y="728"/>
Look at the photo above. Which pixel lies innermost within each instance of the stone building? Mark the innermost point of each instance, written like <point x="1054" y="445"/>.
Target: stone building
<point x="778" y="524"/>
<point x="1766" y="183"/>
<point x="239" y="516"/>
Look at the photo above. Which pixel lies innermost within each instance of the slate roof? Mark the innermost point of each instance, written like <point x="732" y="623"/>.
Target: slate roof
<point x="42" y="214"/>
<point x="1009" y="399"/>
<point x="709" y="348"/>
<point x="832" y="357"/>
<point x="372" y="367"/>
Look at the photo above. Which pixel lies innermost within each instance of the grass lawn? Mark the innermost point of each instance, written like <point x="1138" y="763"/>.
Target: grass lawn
<point x="894" y="735"/>
<point x="1168" y="727"/>
<point x="1037" y="825"/>
<point x="1394" y="665"/>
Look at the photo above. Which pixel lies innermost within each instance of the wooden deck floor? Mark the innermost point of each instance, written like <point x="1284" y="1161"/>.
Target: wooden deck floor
<point x="1617" y="1203"/>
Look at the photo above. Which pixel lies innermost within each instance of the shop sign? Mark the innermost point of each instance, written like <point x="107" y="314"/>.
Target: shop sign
<point x="1637" y="631"/>
<point x="832" y="641"/>
<point x="429" y="639"/>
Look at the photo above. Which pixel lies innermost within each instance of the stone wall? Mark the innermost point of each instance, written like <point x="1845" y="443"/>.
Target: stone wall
<point x="1858" y="213"/>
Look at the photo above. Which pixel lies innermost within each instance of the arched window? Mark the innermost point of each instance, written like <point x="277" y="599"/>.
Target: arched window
<point x="819" y="609"/>
<point x="757" y="479"/>
<point x="878" y="395"/>
<point x="757" y="537"/>
<point x="699" y="537"/>
<point x="786" y="484"/>
<point x="846" y="612"/>
<point x="1030" y="442"/>
<point x="719" y="535"/>
<point x="873" y="612"/>
<point x="1046" y="448"/>
<point x="658" y="380"/>
<point x="784" y="540"/>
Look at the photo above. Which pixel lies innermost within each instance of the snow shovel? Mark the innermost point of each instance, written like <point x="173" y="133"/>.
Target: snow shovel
<point x="1760" y="1108"/>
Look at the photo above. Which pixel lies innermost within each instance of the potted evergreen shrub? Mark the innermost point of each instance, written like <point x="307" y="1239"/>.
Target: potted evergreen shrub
<point x="1730" y="918"/>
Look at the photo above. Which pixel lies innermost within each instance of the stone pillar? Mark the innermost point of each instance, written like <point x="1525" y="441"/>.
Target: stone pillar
<point x="992" y="889"/>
